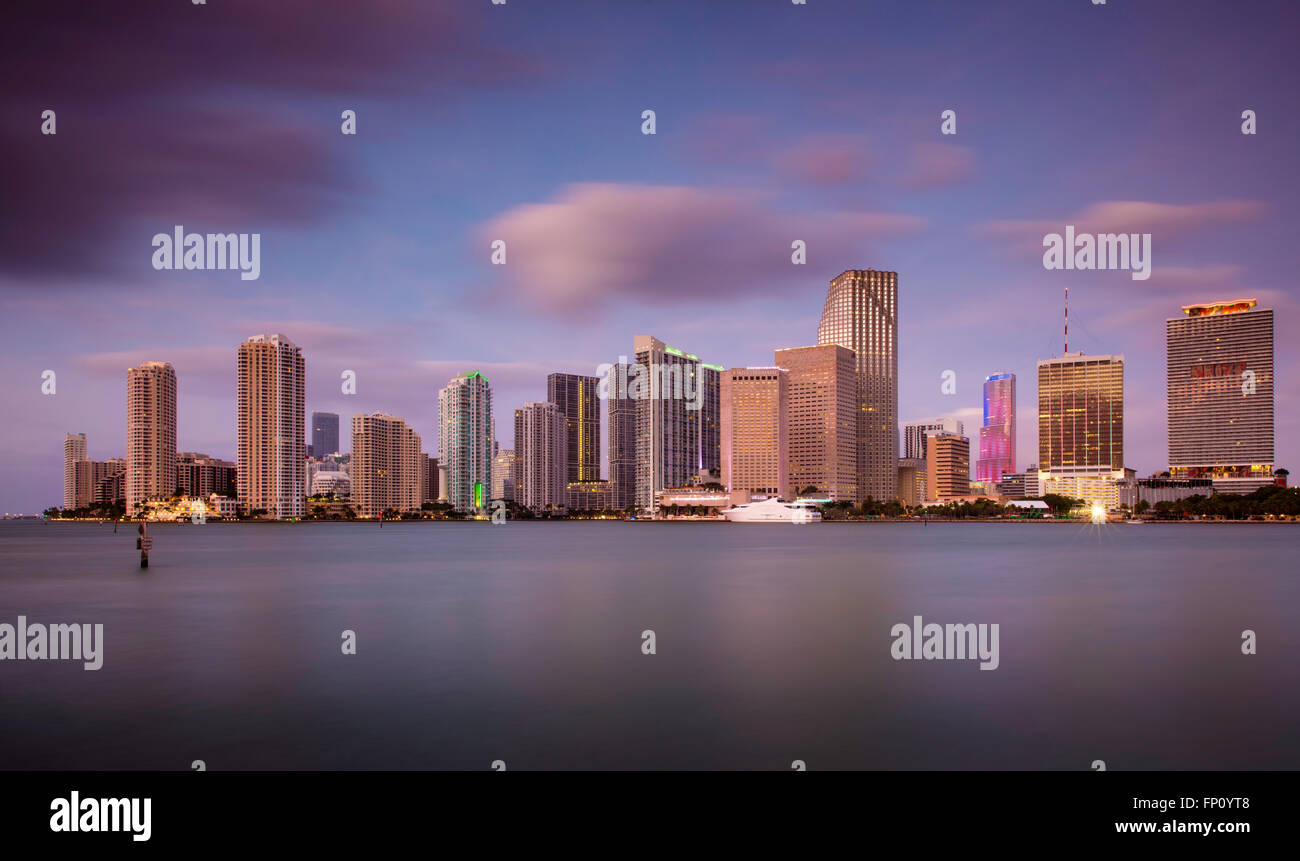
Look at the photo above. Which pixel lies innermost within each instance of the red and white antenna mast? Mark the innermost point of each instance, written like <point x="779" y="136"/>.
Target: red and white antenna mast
<point x="1067" y="321"/>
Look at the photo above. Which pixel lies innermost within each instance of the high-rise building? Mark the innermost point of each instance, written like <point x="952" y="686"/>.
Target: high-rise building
<point x="108" y="479"/>
<point x="324" y="434"/>
<point x="465" y="444"/>
<point x="677" y="417"/>
<point x="755" y="436"/>
<point x="622" y="412"/>
<point x="1081" y="427"/>
<point x="541" y="456"/>
<point x="1219" y="385"/>
<point x="503" y="475"/>
<point x="709" y="417"/>
<point x="575" y="395"/>
<point x="947" y="467"/>
<point x="998" y="435"/>
<point x="1081" y="414"/>
<point x="387" y="471"/>
<point x="150" y="434"/>
<point x="271" y="420"/>
<point x="82" y="476"/>
<point x="431" y="479"/>
<point x="861" y="313"/>
<point x="821" y="417"/>
<point x="91" y="476"/>
<point x="916" y="433"/>
<point x="74" y="452"/>
<point x="198" y="475"/>
<point x="911" y="480"/>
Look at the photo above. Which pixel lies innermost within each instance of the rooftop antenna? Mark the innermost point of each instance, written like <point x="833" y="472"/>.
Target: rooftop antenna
<point x="1067" y="321"/>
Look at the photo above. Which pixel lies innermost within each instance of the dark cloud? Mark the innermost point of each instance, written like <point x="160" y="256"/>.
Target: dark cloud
<point x="209" y="116"/>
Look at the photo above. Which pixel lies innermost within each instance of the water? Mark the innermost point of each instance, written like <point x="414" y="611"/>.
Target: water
<point x="523" y="643"/>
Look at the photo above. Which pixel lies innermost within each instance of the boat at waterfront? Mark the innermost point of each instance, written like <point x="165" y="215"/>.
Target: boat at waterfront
<point x="774" y="510"/>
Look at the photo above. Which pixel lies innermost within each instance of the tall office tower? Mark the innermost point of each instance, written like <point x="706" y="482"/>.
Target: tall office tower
<point x="861" y="314"/>
<point x="998" y="435"/>
<point x="272" y="416"/>
<point x="324" y="434"/>
<point x="387" y="470"/>
<point x="675" y="439"/>
<point x="541" y="456"/>
<point x="150" y="433"/>
<point x="1081" y="414"/>
<point x="710" y="418"/>
<point x="821" y="415"/>
<point x="755" y="434"/>
<point x="200" y="475"/>
<point x="622" y="412"/>
<point x="947" y="468"/>
<point x="916" y="433"/>
<point x="503" y="474"/>
<point x="465" y="442"/>
<point x="575" y="395"/>
<point x="74" y="451"/>
<point x="1219" y="366"/>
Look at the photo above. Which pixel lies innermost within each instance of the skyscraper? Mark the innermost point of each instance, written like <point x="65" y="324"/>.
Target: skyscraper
<point x="74" y="451"/>
<point x="541" y="456"/>
<point x="998" y="435"/>
<point x="755" y="435"/>
<point x="387" y="470"/>
<point x="1219" y="384"/>
<point x="150" y="434"/>
<point x="947" y="467"/>
<point x="575" y="395"/>
<point x="271" y="419"/>
<point x="709" y="417"/>
<point x="861" y="313"/>
<point x="622" y="412"/>
<point x="465" y="444"/>
<point x="324" y="434"/>
<point x="677" y="417"/>
<point x="1081" y="414"/>
<point x="503" y="474"/>
<point x="1081" y="427"/>
<point x="915" y="434"/>
<point x="821" y="415"/>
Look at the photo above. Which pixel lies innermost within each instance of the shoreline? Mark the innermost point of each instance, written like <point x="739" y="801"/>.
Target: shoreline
<point x="913" y="520"/>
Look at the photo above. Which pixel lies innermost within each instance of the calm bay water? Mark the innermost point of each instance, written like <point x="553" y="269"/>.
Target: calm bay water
<point x="523" y="643"/>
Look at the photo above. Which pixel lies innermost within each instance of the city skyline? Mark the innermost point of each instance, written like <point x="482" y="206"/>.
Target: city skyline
<point x="911" y="436"/>
<point x="377" y="249"/>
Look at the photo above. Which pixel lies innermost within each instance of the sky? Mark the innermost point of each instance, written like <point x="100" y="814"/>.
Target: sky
<point x="523" y="122"/>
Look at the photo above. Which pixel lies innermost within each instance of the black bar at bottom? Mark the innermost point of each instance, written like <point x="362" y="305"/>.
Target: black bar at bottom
<point x="339" y="810"/>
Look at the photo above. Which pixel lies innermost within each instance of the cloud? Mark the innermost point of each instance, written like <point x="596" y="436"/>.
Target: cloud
<point x="173" y="114"/>
<point x="206" y="367"/>
<point x="600" y="242"/>
<point x="1167" y="223"/>
<point x="932" y="165"/>
<point x="827" y="159"/>
<point x="87" y="201"/>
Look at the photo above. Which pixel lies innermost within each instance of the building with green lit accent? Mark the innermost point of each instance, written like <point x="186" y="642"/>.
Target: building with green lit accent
<point x="465" y="439"/>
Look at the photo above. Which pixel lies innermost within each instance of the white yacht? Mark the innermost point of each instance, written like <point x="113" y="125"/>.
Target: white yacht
<point x="773" y="510"/>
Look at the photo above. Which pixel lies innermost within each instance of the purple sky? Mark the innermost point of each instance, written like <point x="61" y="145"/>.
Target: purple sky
<point x="523" y="122"/>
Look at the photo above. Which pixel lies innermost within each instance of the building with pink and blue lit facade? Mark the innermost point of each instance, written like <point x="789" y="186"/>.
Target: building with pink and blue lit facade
<point x="998" y="434"/>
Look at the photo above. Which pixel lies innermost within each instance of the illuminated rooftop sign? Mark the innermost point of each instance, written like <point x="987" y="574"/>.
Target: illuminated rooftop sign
<point x="1231" y="306"/>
